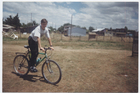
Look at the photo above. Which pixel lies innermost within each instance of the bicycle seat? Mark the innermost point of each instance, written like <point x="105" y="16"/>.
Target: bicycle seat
<point x="26" y="46"/>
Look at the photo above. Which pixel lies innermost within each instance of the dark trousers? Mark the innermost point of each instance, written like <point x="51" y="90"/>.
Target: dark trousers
<point x="34" y="50"/>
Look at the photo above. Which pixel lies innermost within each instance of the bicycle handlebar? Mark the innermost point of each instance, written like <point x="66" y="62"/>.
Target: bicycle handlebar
<point x="46" y="49"/>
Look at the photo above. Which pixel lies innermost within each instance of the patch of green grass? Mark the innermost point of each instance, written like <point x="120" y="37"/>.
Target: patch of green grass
<point x="20" y="41"/>
<point x="11" y="39"/>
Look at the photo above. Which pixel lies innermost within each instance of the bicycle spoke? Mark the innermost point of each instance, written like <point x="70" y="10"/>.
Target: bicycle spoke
<point x="51" y="72"/>
<point x="49" y="68"/>
<point x="21" y="65"/>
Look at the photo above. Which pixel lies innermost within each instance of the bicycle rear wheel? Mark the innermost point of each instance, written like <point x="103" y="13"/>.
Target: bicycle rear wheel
<point x="21" y="65"/>
<point x="51" y="72"/>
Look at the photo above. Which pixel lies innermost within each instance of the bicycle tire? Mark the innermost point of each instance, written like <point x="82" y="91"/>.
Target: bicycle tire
<point x="21" y="65"/>
<point x="53" y="72"/>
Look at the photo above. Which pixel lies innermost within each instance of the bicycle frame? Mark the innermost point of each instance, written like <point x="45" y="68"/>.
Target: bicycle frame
<point x="42" y="58"/>
<point x="29" y="52"/>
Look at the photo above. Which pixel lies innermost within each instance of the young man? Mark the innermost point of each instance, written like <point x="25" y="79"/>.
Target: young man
<point x="35" y="42"/>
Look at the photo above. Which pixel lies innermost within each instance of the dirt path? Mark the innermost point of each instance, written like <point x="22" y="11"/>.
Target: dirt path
<point x="83" y="70"/>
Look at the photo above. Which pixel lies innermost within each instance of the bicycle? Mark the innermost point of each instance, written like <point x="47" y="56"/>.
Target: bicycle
<point x="51" y="71"/>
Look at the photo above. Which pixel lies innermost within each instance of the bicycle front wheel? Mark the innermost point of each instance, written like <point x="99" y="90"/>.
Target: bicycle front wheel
<point x="51" y="72"/>
<point x="21" y="65"/>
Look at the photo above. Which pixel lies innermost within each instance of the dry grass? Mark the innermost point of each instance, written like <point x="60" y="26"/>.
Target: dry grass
<point x="87" y="66"/>
<point x="56" y="36"/>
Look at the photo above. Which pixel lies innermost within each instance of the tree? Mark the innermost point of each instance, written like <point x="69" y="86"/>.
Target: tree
<point x="13" y="21"/>
<point x="84" y="28"/>
<point x="16" y="22"/>
<point x="126" y="29"/>
<point x="61" y="29"/>
<point x="34" y="23"/>
<point x="66" y="24"/>
<point x="91" y="28"/>
<point x="87" y="31"/>
<point x="9" y="21"/>
<point x="51" y="28"/>
<point x="29" y="24"/>
<point x="78" y="26"/>
<point x="24" y="25"/>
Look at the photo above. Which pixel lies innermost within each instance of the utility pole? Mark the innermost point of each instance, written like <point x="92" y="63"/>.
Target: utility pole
<point x="31" y="19"/>
<point x="71" y="27"/>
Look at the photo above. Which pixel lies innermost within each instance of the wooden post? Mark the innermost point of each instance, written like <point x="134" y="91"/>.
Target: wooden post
<point x="129" y="39"/>
<point x="110" y="37"/>
<point x="53" y="36"/>
<point x="88" y="37"/>
<point x="20" y="33"/>
<point x="61" y="35"/>
<point x="135" y="44"/>
<point x="122" y="39"/>
<point x="96" y="37"/>
<point x="79" y="38"/>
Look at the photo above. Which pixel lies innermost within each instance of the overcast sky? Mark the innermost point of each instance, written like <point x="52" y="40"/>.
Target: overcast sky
<point x="84" y="14"/>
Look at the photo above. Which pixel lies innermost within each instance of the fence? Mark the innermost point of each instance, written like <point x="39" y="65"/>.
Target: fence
<point x="114" y="39"/>
<point x="135" y="44"/>
<point x="57" y="36"/>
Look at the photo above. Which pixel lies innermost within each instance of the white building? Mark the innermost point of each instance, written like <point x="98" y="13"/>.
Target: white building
<point x="75" y="31"/>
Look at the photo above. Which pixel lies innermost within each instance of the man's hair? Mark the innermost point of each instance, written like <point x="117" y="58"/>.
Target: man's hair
<point x="44" y="21"/>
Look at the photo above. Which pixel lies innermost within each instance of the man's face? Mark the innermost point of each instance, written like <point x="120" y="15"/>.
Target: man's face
<point x="43" y="25"/>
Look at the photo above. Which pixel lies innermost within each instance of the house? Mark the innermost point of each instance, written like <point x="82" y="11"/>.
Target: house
<point x="120" y="32"/>
<point x="91" y="35"/>
<point x="96" y="30"/>
<point x="66" y="28"/>
<point x="75" y="31"/>
<point x="27" y="29"/>
<point x="99" y="31"/>
<point x="7" y="28"/>
<point x="8" y="31"/>
<point x="129" y="34"/>
<point x="108" y="33"/>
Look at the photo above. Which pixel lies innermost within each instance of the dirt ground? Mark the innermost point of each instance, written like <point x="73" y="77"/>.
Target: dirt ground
<point x="83" y="70"/>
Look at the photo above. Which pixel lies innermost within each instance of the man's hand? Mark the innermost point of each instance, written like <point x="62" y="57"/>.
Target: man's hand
<point x="42" y="49"/>
<point x="52" y="48"/>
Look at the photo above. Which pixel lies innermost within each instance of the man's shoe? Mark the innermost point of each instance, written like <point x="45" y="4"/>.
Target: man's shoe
<point x="33" y="69"/>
